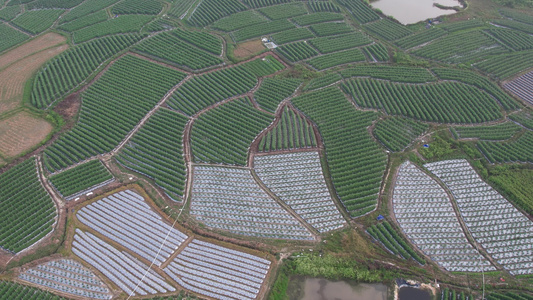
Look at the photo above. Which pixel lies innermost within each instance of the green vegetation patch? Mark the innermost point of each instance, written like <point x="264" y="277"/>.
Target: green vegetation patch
<point x="156" y="151"/>
<point x="388" y="30"/>
<point x="86" y="8"/>
<point x="518" y="16"/>
<point x="325" y="29"/>
<point x="261" y="29"/>
<point x="145" y="7"/>
<point x="265" y="66"/>
<point x="274" y="90"/>
<point x="8" y="13"/>
<point x="398" y="133"/>
<point x="355" y="161"/>
<point x="336" y="43"/>
<point x="388" y="237"/>
<point x="79" y="62"/>
<point x="377" y="52"/>
<point x="16" y="291"/>
<point x="397" y="74"/>
<point x="293" y="131"/>
<point x="513" y="39"/>
<point x="209" y="11"/>
<point x="291" y="35"/>
<point x="200" y="39"/>
<point x="262" y="3"/>
<point x="81" y="178"/>
<point x="524" y="117"/>
<point x="448" y="102"/>
<point x="37" y="21"/>
<point x="27" y="211"/>
<point x="85" y="21"/>
<point x="297" y="51"/>
<point x="360" y="10"/>
<point x="239" y="20"/>
<point x="420" y="38"/>
<point x="323" y="6"/>
<point x="224" y="134"/>
<point x="518" y="150"/>
<point x="527" y="28"/>
<point x="180" y="8"/>
<point x="322" y="81"/>
<point x="497" y="132"/>
<point x="40" y="4"/>
<point x="10" y="37"/>
<point x="336" y="59"/>
<point x="317" y="18"/>
<point x="462" y="25"/>
<point x="284" y="11"/>
<point x="505" y="66"/>
<point x="515" y="183"/>
<point x="111" y="107"/>
<point x="120" y="24"/>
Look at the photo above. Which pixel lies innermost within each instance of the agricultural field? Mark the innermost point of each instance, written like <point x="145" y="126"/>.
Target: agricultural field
<point x="356" y="162"/>
<point x="291" y="35"/>
<point x="388" y="30"/>
<point x="457" y="102"/>
<point x="144" y="7"/>
<point x="257" y="30"/>
<point x="120" y="24"/>
<point x="296" y="178"/>
<point x="272" y="91"/>
<point x="322" y="81"/>
<point x="398" y="133"/>
<point x="388" y="237"/>
<point x="297" y="51"/>
<point x="106" y="118"/>
<point x="482" y="208"/>
<point x="22" y="124"/>
<point x="505" y="66"/>
<point x="239" y="20"/>
<point x="68" y="276"/>
<point x="462" y="25"/>
<point x="360" y="10"/>
<point x="500" y="132"/>
<point x="516" y="40"/>
<point x="396" y="74"/>
<point x="376" y="53"/>
<point x="86" y="8"/>
<point x="37" y="21"/>
<point x="342" y="42"/>
<point x="522" y="87"/>
<point x="426" y="216"/>
<point x="337" y="58"/>
<point x="209" y="11"/>
<point x="28" y="212"/>
<point x="16" y="291"/>
<point x="81" y="179"/>
<point x="155" y="152"/>
<point x="515" y="150"/>
<point x="317" y="18"/>
<point x="241" y="206"/>
<point x="284" y="11"/>
<point x="420" y="38"/>
<point x="524" y="118"/>
<point x="292" y="131"/>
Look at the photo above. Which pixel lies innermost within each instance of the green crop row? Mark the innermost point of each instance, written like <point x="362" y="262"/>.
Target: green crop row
<point x="120" y="24"/>
<point x="448" y="102"/>
<point x="505" y="66"/>
<point x="317" y="18"/>
<point x="355" y="161"/>
<point x="8" y="13"/>
<point x="524" y="18"/>
<point x="39" y="4"/>
<point x="518" y="150"/>
<point x="27" y="211"/>
<point x="209" y="11"/>
<point x="323" y="6"/>
<point x="524" y="117"/>
<point x="262" y="3"/>
<point x="376" y="51"/>
<point x="239" y="20"/>
<point x="261" y="29"/>
<point x="16" y="291"/>
<point x="264" y="66"/>
<point x="360" y="10"/>
<point x="167" y="46"/>
<point x="272" y="91"/>
<point x="10" y="37"/>
<point x="342" y="42"/>
<point x="80" y="178"/>
<point x="497" y="132"/>
<point x="79" y="23"/>
<point x="284" y="11"/>
<point x="462" y="25"/>
<point x="145" y="7"/>
<point x="527" y="28"/>
<point x="111" y="107"/>
<point x="337" y="59"/>
<point x="37" y="21"/>
<point x="180" y="8"/>
<point x="397" y="74"/>
<point x="72" y="67"/>
<point x="86" y="8"/>
<point x="224" y="134"/>
<point x="292" y="132"/>
<point x="291" y="35"/>
<point x="297" y="51"/>
<point x="509" y="296"/>
<point x="384" y="233"/>
<point x="322" y="81"/>
<point x="325" y="29"/>
<point x="397" y="133"/>
<point x="513" y="39"/>
<point x="448" y="294"/>
<point x="388" y="30"/>
<point x="156" y="151"/>
<point x="420" y="38"/>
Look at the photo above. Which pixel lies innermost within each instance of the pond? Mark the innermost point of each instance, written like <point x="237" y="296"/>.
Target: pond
<point x="413" y="11"/>
<point x="322" y="289"/>
<point x="411" y="293"/>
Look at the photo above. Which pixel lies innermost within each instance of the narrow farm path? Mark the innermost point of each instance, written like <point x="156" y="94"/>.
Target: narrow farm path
<point x="178" y="251"/>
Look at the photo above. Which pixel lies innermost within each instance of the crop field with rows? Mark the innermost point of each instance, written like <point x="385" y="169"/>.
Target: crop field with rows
<point x="317" y="18"/>
<point x="333" y="28"/>
<point x="230" y="199"/>
<point x="322" y="81"/>
<point x="178" y="9"/>
<point x="205" y="90"/>
<point x="209" y="11"/>
<point x="360" y="10"/>
<point x="272" y="91"/>
<point x="505" y="66"/>
<point x="229" y="273"/>
<point x="501" y="131"/>
<point x="517" y="16"/>
<point x="265" y="66"/>
<point x="168" y="47"/>
<point x="516" y="150"/>
<point x="376" y="53"/>
<point x="388" y="30"/>
<point x="85" y="21"/>
<point x="111" y="108"/>
<point x="342" y="42"/>
<point x="10" y="37"/>
<point x="239" y="20"/>
<point x="68" y="276"/>
<point x="337" y="58"/>
<point x="8" y="13"/>
<point x="355" y="161"/>
<point x="144" y="7"/>
<point x="27" y="212"/>
<point x="388" y="237"/>
<point x="461" y="47"/>
<point x="52" y="3"/>
<point x="457" y="102"/>
<point x="262" y="3"/>
<point x="284" y="11"/>
<point x="118" y="216"/>
<point x="297" y="51"/>
<point x="291" y="132"/>
<point x="426" y="216"/>
<point x="224" y="134"/>
<point x="261" y="29"/>
<point x="37" y="21"/>
<point x="526" y="28"/>
<point x="86" y="8"/>
<point x="462" y="25"/>
<point x="79" y="62"/>
<point x="80" y="179"/>
<point x="296" y="178"/>
<point x="420" y="38"/>
<point x="16" y="291"/>
<point x="522" y="87"/>
<point x="398" y="133"/>
<point x="514" y="39"/>
<point x="503" y="231"/>
<point x="524" y="118"/>
<point x="291" y="35"/>
<point x="121" y="24"/>
<point x="156" y="152"/>
<point x="397" y="74"/>
<point x="318" y="6"/>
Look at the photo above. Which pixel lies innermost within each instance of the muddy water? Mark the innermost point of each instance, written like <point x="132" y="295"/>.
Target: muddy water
<point x="322" y="289"/>
<point x="409" y="293"/>
<point x="413" y="11"/>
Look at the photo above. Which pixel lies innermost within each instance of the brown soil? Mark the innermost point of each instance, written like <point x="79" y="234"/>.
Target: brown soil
<point x="69" y="107"/>
<point x="247" y="49"/>
<point x="46" y="41"/>
<point x="21" y="132"/>
<point x="14" y="77"/>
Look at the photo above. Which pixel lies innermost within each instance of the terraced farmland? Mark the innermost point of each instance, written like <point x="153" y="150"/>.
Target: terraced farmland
<point x="425" y="214"/>
<point x="503" y="231"/>
<point x="501" y="131"/>
<point x="229" y="199"/>
<point x="296" y="178"/>
<point x="81" y="179"/>
<point x="385" y="234"/>
<point x="398" y="133"/>
<point x="272" y="91"/>
<point x="68" y="276"/>
<point x="16" y="291"/>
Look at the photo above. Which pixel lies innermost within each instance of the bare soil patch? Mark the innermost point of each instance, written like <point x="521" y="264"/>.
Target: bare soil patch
<point x="36" y="45"/>
<point x="69" y="107"/>
<point x="247" y="49"/>
<point x="21" y="132"/>
<point x="14" y="77"/>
